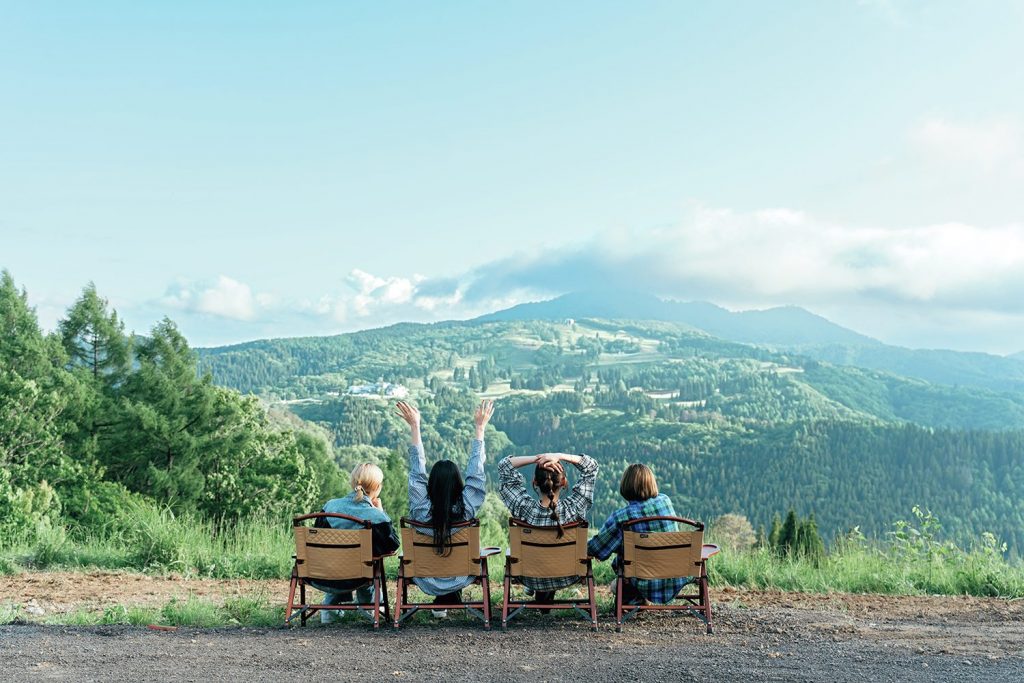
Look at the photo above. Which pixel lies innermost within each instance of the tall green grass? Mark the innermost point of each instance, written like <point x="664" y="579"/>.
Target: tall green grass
<point x="868" y="570"/>
<point x="913" y="561"/>
<point x="157" y="541"/>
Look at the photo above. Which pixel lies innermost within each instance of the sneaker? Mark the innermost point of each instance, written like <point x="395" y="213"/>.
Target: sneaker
<point x="439" y="613"/>
<point x="329" y="616"/>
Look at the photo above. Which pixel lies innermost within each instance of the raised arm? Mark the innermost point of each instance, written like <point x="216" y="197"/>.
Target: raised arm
<point x="474" y="491"/>
<point x="582" y="497"/>
<point x="511" y="486"/>
<point x="419" y="503"/>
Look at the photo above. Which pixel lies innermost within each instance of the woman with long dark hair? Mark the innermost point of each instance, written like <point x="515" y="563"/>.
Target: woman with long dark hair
<point x="552" y="509"/>
<point x="445" y="498"/>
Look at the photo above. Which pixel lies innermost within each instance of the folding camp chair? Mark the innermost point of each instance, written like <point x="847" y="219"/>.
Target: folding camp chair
<point x="665" y="555"/>
<point x="537" y="552"/>
<point x="419" y="559"/>
<point x="328" y="555"/>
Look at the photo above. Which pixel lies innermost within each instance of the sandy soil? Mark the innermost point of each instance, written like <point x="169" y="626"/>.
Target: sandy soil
<point x="758" y="636"/>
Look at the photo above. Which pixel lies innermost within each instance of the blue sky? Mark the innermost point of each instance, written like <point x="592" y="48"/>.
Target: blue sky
<point x="272" y="169"/>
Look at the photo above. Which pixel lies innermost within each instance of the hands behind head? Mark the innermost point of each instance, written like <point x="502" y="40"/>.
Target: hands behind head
<point x="548" y="462"/>
<point x="483" y="414"/>
<point x="408" y="413"/>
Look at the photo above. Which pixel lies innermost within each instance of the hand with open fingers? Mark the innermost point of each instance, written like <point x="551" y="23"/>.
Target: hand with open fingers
<point x="483" y="414"/>
<point x="408" y="413"/>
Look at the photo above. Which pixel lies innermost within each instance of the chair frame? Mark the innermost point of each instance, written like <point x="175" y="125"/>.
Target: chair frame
<point x="480" y="609"/>
<point x="304" y="610"/>
<point x="698" y="604"/>
<point x="517" y="606"/>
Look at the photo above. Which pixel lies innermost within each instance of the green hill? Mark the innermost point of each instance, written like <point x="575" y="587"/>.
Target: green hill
<point x="729" y="427"/>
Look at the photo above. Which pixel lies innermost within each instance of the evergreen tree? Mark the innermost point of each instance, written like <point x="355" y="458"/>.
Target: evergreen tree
<point x="95" y="340"/>
<point x="169" y="420"/>
<point x="788" y="534"/>
<point x="809" y="541"/>
<point x="776" y="533"/>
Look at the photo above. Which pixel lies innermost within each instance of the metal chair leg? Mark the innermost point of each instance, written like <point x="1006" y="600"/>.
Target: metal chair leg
<point x="291" y="599"/>
<point x="593" y="602"/>
<point x="399" y="599"/>
<point x="506" y="593"/>
<point x="487" y="601"/>
<point x="618" y="604"/>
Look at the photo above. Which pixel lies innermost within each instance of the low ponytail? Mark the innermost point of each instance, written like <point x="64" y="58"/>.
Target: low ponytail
<point x="365" y="478"/>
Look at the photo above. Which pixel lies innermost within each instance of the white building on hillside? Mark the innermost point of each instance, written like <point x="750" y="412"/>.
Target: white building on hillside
<point x="379" y="388"/>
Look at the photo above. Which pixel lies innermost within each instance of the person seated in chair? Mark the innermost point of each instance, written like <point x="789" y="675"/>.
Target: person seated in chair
<point x="640" y="489"/>
<point x="367" y="481"/>
<point x="552" y="509"/>
<point x="445" y="498"/>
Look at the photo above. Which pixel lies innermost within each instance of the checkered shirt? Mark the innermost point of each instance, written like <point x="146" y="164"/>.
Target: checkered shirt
<point x="609" y="540"/>
<point x="571" y="508"/>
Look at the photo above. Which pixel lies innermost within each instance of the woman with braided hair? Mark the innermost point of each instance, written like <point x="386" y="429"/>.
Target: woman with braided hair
<point x="553" y="509"/>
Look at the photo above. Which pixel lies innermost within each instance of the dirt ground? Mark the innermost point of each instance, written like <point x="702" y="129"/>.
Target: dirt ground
<point x="763" y="636"/>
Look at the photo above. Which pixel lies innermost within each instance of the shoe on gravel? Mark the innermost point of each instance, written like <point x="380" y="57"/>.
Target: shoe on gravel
<point x="330" y="616"/>
<point x="439" y="613"/>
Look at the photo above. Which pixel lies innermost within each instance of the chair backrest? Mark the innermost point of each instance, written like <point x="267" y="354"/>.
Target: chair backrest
<point x="333" y="554"/>
<point x="537" y="552"/>
<point x="662" y="554"/>
<point x="420" y="557"/>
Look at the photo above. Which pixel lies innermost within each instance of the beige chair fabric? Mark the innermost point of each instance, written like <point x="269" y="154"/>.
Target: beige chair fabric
<point x="661" y="554"/>
<point x="420" y="558"/>
<point x="333" y="554"/>
<point x="539" y="553"/>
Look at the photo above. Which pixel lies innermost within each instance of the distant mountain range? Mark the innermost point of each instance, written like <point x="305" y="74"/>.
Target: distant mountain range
<point x="786" y="328"/>
<point x="782" y="326"/>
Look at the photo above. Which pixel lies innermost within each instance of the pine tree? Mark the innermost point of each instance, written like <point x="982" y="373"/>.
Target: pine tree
<point x="787" y="536"/>
<point x="776" y="533"/>
<point x="95" y="340"/>
<point x="169" y="419"/>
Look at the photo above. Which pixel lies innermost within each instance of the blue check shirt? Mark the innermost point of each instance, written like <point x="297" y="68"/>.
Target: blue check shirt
<point x="609" y="540"/>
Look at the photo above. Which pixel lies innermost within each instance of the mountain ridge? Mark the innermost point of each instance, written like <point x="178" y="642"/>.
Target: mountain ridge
<point x="781" y="325"/>
<point x="789" y="328"/>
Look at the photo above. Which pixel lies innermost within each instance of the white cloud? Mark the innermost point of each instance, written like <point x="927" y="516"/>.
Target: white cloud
<point x="990" y="144"/>
<point x="225" y="298"/>
<point x="882" y="280"/>
<point x="780" y="256"/>
<point x="373" y="291"/>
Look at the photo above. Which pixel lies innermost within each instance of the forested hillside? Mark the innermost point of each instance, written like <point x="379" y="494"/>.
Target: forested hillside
<point x="95" y="423"/>
<point x="98" y="423"/>
<point x="728" y="427"/>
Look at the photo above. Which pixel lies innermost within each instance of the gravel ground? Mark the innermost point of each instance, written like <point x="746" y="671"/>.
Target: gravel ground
<point x="806" y="638"/>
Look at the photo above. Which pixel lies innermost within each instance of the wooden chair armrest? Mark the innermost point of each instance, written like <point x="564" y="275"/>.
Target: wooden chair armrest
<point x="709" y="550"/>
<point x="381" y="557"/>
<point x="489" y="550"/>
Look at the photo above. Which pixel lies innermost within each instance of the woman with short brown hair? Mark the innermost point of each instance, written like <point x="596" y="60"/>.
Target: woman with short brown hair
<point x="640" y="489"/>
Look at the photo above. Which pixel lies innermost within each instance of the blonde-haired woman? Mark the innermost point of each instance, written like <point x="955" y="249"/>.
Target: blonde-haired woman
<point x="366" y="481"/>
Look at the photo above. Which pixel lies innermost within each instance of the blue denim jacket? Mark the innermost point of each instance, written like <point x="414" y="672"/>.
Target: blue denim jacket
<point x="361" y="509"/>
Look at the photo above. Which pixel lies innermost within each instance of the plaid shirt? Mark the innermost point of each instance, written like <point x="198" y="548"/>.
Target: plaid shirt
<point x="609" y="540"/>
<point x="571" y="508"/>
